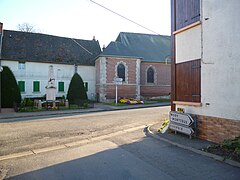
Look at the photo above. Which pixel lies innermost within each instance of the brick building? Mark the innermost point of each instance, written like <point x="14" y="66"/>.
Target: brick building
<point x="141" y="60"/>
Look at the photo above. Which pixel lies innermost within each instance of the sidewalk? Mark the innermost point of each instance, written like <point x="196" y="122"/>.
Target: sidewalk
<point x="98" y="107"/>
<point x="183" y="141"/>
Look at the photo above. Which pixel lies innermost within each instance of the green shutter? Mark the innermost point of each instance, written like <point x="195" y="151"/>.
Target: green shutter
<point x="60" y="86"/>
<point x="36" y="86"/>
<point x="86" y="86"/>
<point x="21" y="85"/>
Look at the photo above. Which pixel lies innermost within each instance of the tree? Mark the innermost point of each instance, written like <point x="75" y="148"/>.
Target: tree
<point x="76" y="90"/>
<point x="26" y="27"/>
<point x="10" y="92"/>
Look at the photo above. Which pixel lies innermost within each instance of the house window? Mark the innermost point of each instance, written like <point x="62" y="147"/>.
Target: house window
<point x="150" y="75"/>
<point x="36" y="86"/>
<point x="121" y="71"/>
<point x="60" y="86"/>
<point x="86" y="86"/>
<point x="21" y="65"/>
<point x="21" y="85"/>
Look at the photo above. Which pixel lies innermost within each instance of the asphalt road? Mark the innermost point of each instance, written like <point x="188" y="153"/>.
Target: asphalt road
<point x="107" y="145"/>
<point x="130" y="155"/>
<point x="43" y="132"/>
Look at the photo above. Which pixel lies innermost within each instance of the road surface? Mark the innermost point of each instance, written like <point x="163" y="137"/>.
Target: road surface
<point x="109" y="145"/>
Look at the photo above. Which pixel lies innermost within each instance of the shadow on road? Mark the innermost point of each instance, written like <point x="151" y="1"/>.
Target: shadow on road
<point x="145" y="159"/>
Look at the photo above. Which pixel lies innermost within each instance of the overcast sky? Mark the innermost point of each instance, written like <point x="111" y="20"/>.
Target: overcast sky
<point x="83" y="19"/>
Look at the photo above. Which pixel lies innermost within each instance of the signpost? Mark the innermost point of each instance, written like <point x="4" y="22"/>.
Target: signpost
<point x="181" y="122"/>
<point x="181" y="118"/>
<point x="185" y="130"/>
<point x="117" y="81"/>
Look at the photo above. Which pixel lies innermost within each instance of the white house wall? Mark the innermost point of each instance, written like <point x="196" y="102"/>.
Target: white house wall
<point x="220" y="67"/>
<point x="39" y="72"/>
<point x="184" y="44"/>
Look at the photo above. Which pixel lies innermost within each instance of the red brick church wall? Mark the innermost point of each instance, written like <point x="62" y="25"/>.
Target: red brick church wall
<point x="162" y="84"/>
<point x="128" y="89"/>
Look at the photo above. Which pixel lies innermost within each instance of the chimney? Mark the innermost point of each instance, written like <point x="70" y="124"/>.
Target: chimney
<point x="94" y="38"/>
<point x="103" y="47"/>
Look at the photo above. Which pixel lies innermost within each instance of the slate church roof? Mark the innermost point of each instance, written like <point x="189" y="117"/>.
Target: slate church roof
<point x="36" y="47"/>
<point x="152" y="48"/>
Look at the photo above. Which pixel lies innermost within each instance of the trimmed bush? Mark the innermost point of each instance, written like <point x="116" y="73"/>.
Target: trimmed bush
<point x="76" y="91"/>
<point x="10" y="92"/>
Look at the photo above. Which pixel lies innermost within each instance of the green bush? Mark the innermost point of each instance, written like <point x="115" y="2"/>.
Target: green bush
<point x="76" y="90"/>
<point x="10" y="92"/>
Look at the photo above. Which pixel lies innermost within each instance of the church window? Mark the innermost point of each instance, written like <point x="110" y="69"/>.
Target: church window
<point x="150" y="75"/>
<point x="121" y="71"/>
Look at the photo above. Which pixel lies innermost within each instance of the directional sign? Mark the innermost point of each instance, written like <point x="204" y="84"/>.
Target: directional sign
<point x="181" y="118"/>
<point x="118" y="81"/>
<point x="182" y="129"/>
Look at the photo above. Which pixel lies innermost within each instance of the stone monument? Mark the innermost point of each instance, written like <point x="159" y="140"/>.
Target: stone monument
<point x="51" y="88"/>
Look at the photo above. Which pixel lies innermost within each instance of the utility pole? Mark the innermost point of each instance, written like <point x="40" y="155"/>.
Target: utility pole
<point x="1" y="68"/>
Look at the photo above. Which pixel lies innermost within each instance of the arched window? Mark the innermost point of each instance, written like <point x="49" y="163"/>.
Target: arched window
<point x="121" y="71"/>
<point x="150" y="75"/>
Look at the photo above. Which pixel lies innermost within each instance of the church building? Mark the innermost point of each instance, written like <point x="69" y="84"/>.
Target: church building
<point x="141" y="60"/>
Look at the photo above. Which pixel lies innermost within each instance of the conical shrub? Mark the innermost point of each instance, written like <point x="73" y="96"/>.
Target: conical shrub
<point x="76" y="90"/>
<point x="10" y="92"/>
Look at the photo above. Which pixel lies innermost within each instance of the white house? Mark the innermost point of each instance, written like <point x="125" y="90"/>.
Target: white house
<point x="206" y="68"/>
<point x="29" y="56"/>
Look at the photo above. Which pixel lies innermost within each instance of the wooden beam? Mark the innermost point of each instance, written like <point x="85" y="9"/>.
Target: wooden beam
<point x="187" y="27"/>
<point x="188" y="103"/>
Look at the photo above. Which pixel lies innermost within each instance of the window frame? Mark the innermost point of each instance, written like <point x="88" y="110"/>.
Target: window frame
<point x="60" y="86"/>
<point x="21" y="85"/>
<point x="36" y="88"/>
<point x="152" y="75"/>
<point x="123" y="73"/>
<point x="21" y="65"/>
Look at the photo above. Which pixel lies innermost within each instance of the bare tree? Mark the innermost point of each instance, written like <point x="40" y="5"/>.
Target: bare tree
<point x="26" y="27"/>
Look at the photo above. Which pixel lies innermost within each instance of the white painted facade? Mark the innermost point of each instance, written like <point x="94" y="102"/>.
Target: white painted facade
<point x="34" y="71"/>
<point x="193" y="47"/>
<point x="220" y="58"/>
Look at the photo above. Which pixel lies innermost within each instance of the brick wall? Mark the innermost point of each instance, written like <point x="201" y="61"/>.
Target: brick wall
<point x="217" y="129"/>
<point x="162" y="77"/>
<point x="129" y="88"/>
<point x="97" y="66"/>
<point x="131" y="69"/>
<point x="154" y="91"/>
<point x="128" y="91"/>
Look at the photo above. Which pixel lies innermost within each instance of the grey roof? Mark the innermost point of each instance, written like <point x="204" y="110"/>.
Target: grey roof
<point x="38" y="47"/>
<point x="153" y="48"/>
<point x="118" y="49"/>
